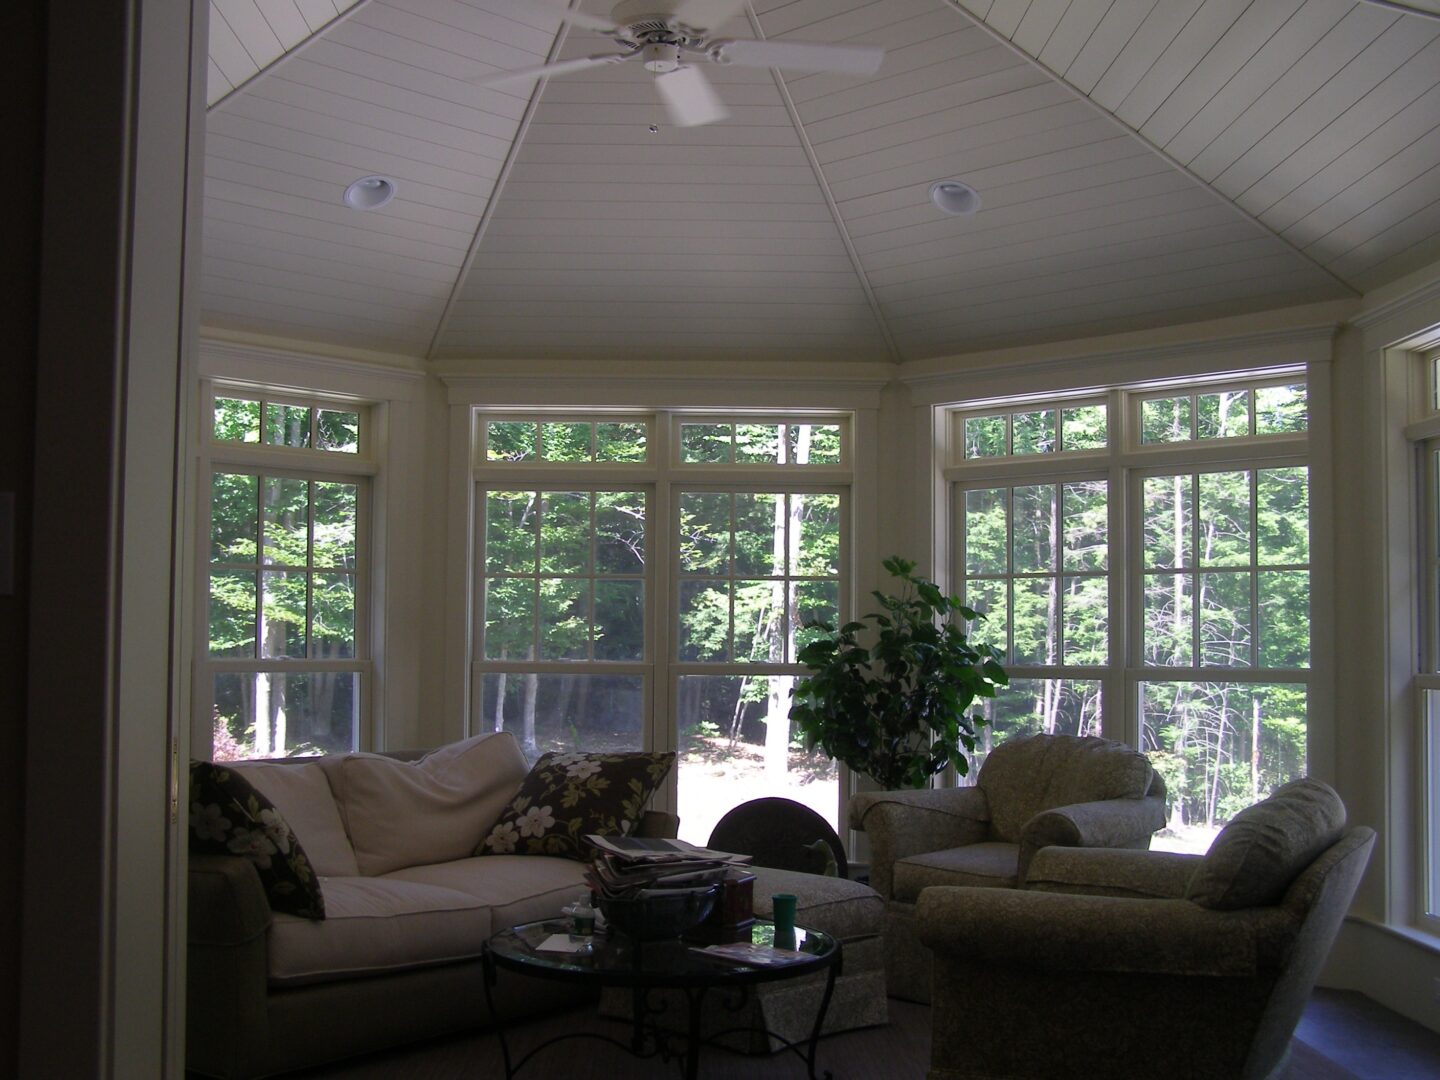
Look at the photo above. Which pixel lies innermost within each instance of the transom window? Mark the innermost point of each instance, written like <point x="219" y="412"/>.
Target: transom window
<point x="1229" y="413"/>
<point x="1045" y="429"/>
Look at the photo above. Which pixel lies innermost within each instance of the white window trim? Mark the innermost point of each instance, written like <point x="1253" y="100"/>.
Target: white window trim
<point x="397" y="623"/>
<point x="814" y="397"/>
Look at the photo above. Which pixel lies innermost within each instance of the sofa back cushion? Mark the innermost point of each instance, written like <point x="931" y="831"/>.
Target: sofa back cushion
<point x="434" y="809"/>
<point x="1266" y="846"/>
<point x="1022" y="777"/>
<point x="301" y="792"/>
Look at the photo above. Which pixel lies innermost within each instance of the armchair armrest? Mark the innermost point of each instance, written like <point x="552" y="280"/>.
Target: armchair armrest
<point x="1161" y="875"/>
<point x="1109" y="823"/>
<point x="904" y="823"/>
<point x="1058" y="932"/>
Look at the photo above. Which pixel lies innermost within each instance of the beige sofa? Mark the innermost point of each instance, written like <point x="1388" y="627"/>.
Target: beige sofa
<point x="408" y="908"/>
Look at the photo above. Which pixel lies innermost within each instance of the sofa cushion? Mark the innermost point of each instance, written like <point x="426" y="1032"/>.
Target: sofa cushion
<point x="302" y="794"/>
<point x="1266" y="846"/>
<point x="377" y="925"/>
<point x="412" y="813"/>
<point x="516" y="888"/>
<point x="1022" y="777"/>
<point x="229" y="817"/>
<point x="988" y="865"/>
<point x="567" y="796"/>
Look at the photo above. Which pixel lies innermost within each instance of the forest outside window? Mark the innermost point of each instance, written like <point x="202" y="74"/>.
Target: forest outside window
<point x="286" y="641"/>
<point x="1176" y="618"/>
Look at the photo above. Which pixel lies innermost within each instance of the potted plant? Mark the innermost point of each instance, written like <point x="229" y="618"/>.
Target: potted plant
<point x="896" y="709"/>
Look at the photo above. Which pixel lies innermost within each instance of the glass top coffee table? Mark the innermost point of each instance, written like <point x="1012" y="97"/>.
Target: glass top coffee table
<point x="648" y="966"/>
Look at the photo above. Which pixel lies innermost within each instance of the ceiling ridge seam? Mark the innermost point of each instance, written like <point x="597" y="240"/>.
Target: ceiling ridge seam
<point x="488" y="214"/>
<point x="294" y="50"/>
<point x="829" y="197"/>
<point x="1158" y="151"/>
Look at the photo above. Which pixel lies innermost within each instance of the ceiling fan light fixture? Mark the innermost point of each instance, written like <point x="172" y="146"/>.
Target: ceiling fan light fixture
<point x="662" y="58"/>
<point x="370" y="193"/>
<point x="954" y="197"/>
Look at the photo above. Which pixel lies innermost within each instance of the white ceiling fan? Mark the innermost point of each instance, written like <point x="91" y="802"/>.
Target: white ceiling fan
<point x="671" y="36"/>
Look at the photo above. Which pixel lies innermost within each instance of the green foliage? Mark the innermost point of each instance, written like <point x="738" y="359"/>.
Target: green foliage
<point x="896" y="709"/>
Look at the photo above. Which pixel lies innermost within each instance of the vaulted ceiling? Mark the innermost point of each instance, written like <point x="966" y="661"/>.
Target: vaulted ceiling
<point x="1139" y="162"/>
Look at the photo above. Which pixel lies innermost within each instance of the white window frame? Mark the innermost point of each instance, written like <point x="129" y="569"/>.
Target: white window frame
<point x="663" y="476"/>
<point x="303" y="463"/>
<point x="1125" y="462"/>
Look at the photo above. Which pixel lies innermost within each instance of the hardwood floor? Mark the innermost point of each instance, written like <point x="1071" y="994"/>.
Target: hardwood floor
<point x="1342" y="1036"/>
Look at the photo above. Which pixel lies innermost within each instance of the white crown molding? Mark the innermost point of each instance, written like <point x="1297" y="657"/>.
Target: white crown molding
<point x="1311" y="335"/>
<point x="283" y="366"/>
<point x="1425" y="294"/>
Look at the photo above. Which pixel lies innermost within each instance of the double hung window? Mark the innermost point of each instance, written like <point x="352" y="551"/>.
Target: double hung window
<point x="285" y="576"/>
<point x="1143" y="561"/>
<point x="645" y="581"/>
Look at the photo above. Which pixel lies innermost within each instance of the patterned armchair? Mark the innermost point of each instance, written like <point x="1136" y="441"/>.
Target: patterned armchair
<point x="1207" y="961"/>
<point x="1030" y="793"/>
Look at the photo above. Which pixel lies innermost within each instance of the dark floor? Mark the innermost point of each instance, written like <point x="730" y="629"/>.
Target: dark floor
<point x="1342" y="1036"/>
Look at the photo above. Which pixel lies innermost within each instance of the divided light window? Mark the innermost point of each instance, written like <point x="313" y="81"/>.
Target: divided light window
<point x="577" y="650"/>
<point x="284" y="574"/>
<point x="1187" y="630"/>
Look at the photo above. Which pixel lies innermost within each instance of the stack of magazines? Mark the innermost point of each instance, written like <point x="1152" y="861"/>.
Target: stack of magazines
<point x="643" y="868"/>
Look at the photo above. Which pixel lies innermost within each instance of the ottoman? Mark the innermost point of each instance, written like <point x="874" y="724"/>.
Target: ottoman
<point x="850" y="911"/>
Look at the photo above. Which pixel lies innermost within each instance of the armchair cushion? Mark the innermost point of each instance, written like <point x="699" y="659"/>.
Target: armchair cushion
<point x="989" y="865"/>
<point x="1266" y="846"/>
<point x="1022" y="777"/>
<point x="1160" y="875"/>
<point x="1054" y="932"/>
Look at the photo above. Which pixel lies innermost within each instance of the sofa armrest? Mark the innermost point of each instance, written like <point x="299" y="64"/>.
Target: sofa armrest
<point x="227" y="972"/>
<point x="904" y="823"/>
<point x="1161" y="875"/>
<point x="1058" y="932"/>
<point x="1108" y="823"/>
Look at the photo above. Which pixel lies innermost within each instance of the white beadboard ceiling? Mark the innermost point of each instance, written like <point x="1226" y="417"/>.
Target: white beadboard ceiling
<point x="1140" y="162"/>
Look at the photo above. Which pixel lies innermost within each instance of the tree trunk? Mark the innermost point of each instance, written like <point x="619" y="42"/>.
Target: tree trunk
<point x="500" y="679"/>
<point x="527" y="714"/>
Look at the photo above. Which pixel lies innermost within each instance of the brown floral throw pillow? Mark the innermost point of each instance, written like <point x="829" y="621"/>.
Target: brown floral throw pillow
<point x="568" y="796"/>
<point x="229" y="817"/>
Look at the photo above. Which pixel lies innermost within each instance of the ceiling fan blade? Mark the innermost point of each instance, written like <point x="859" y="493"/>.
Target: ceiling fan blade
<point x="707" y="14"/>
<point x="689" y="98"/>
<point x="573" y="16"/>
<point x="800" y="56"/>
<point x="549" y="71"/>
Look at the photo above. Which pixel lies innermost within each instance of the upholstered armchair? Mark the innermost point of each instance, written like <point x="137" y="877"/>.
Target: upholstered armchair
<point x="1116" y="964"/>
<point x="1030" y="793"/>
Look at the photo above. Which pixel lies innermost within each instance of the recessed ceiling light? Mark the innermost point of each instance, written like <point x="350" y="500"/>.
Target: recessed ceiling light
<point x="954" y="197"/>
<point x="369" y="193"/>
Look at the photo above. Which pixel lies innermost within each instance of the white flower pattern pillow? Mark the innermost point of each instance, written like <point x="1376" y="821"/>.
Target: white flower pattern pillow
<point x="568" y="796"/>
<point x="228" y="816"/>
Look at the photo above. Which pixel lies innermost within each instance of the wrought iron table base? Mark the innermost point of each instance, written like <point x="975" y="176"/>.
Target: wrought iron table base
<point x="649" y="1040"/>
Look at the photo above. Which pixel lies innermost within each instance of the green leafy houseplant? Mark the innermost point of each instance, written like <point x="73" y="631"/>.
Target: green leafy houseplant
<point x="897" y="709"/>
